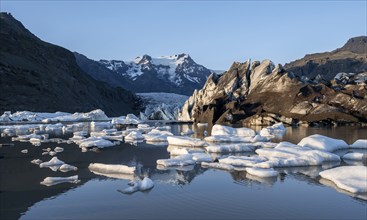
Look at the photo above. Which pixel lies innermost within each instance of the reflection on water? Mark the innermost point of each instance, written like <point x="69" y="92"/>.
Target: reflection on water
<point x="181" y="192"/>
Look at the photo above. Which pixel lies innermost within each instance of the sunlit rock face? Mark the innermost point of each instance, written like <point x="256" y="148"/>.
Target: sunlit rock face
<point x="264" y="93"/>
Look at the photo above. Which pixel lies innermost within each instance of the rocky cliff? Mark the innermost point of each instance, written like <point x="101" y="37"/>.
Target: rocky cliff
<point x="264" y="93"/>
<point x="351" y="58"/>
<point x="39" y="76"/>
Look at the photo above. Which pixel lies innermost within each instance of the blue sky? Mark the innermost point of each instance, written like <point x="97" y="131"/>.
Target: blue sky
<point x="214" y="33"/>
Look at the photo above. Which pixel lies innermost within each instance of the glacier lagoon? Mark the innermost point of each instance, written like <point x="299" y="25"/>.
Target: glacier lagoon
<point x="187" y="192"/>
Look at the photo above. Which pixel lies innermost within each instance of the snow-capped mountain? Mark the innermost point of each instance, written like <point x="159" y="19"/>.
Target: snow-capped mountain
<point x="177" y="73"/>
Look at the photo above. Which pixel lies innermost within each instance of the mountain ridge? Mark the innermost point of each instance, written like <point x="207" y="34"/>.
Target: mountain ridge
<point x="39" y="76"/>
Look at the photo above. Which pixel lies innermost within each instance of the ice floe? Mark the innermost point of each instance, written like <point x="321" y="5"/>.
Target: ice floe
<point x="225" y="130"/>
<point x="67" y="167"/>
<point x="349" y="178"/>
<point x="95" y="142"/>
<point x="287" y="154"/>
<point x="227" y="139"/>
<point x="138" y="185"/>
<point x="275" y="130"/>
<point x="182" y="160"/>
<point x="134" y="136"/>
<point x="88" y="116"/>
<point x="354" y="156"/>
<point x="24" y="151"/>
<point x="130" y="119"/>
<point x="361" y="143"/>
<point x="36" y="161"/>
<point x="231" y="148"/>
<point x="220" y="166"/>
<point x="185" y="141"/>
<point x="58" y="149"/>
<point x="243" y="161"/>
<point x="320" y="142"/>
<point x="50" y="181"/>
<point x="53" y="162"/>
<point x="101" y="168"/>
<point x="260" y="172"/>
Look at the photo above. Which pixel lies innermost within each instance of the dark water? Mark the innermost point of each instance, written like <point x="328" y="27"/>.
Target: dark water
<point x="190" y="193"/>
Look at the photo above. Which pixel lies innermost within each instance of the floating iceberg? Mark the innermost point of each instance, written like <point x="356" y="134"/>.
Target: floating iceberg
<point x="273" y="131"/>
<point x="36" y="161"/>
<point x="231" y="148"/>
<point x="228" y="139"/>
<point x="50" y="181"/>
<point x="185" y="141"/>
<point x="130" y="119"/>
<point x="157" y="136"/>
<point x="138" y="185"/>
<point x="225" y="130"/>
<point x="220" y="166"/>
<point x="182" y="160"/>
<point x="66" y="168"/>
<point x="95" y="142"/>
<point x="260" y="172"/>
<point x="361" y="143"/>
<point x="174" y="150"/>
<point x="111" y="168"/>
<point x="53" y="162"/>
<point x="93" y="115"/>
<point x="243" y="161"/>
<point x="134" y="136"/>
<point x="349" y="178"/>
<point x="59" y="149"/>
<point x="287" y="154"/>
<point x="30" y="116"/>
<point x="320" y="142"/>
<point x="24" y="151"/>
<point x="354" y="156"/>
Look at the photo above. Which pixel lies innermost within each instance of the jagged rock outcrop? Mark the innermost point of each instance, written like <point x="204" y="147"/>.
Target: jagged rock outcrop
<point x="264" y="93"/>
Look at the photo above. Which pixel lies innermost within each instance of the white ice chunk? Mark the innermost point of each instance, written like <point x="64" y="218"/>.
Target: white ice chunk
<point x="182" y="160"/>
<point x="66" y="168"/>
<point x="275" y="130"/>
<point x="52" y="153"/>
<point x="225" y="130"/>
<point x="260" y="172"/>
<point x="24" y="151"/>
<point x="36" y="161"/>
<point x="243" y="161"/>
<point x="139" y="185"/>
<point x="111" y="168"/>
<point x="95" y="142"/>
<point x="58" y="149"/>
<point x="134" y="136"/>
<point x="361" y="143"/>
<point x="185" y="141"/>
<point x="349" y="178"/>
<point x="354" y="156"/>
<point x="93" y="115"/>
<point x="218" y="166"/>
<point x="202" y="157"/>
<point x="231" y="148"/>
<point x="320" y="142"/>
<point x="228" y="139"/>
<point x="50" y="181"/>
<point x="53" y="162"/>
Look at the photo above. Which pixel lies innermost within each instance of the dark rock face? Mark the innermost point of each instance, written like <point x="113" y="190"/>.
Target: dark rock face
<point x="262" y="93"/>
<point x="351" y="58"/>
<point x="173" y="74"/>
<point x="39" y="76"/>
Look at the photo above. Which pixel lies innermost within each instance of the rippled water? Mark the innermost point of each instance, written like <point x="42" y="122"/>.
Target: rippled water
<point x="192" y="192"/>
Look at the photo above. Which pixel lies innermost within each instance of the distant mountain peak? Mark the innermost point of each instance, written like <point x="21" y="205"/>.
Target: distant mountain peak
<point x="175" y="73"/>
<point x="356" y="45"/>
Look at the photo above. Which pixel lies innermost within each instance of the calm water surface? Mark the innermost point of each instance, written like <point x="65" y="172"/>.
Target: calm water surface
<point x="189" y="193"/>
